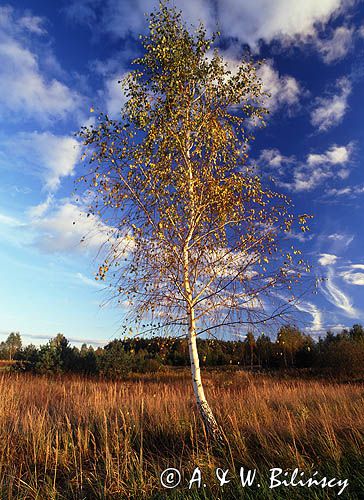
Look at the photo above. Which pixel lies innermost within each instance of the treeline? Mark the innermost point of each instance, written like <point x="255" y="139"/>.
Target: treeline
<point x="341" y="353"/>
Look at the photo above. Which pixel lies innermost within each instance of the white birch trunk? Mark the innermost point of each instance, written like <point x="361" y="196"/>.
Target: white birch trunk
<point x="208" y="418"/>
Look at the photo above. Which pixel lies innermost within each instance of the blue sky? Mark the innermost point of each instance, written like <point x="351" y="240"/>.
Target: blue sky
<point x="59" y="59"/>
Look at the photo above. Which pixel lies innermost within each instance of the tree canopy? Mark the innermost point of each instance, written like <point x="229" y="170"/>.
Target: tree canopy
<point x="172" y="176"/>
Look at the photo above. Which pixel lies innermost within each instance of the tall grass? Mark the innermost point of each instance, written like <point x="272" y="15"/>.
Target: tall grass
<point x="74" y="438"/>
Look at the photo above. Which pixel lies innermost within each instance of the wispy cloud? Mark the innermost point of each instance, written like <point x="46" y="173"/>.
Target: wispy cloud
<point x="25" y="91"/>
<point x="68" y="228"/>
<point x="88" y="281"/>
<point x="348" y="191"/>
<point x="329" y="111"/>
<point x="337" y="46"/>
<point x="341" y="238"/>
<point x="299" y="236"/>
<point x="45" y="154"/>
<point x="337" y="297"/>
<point x="33" y="24"/>
<point x="114" y="96"/>
<point x="353" y="276"/>
<point x="291" y="173"/>
<point x="9" y="220"/>
<point x="331" y="164"/>
<point x="274" y="159"/>
<point x="59" y="226"/>
<point x="314" y="311"/>
<point x="327" y="259"/>
<point x="335" y="155"/>
<point x="291" y="23"/>
<point x="39" y="210"/>
<point x="284" y="90"/>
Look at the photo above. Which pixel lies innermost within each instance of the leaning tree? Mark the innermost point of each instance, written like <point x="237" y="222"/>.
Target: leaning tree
<point x="195" y="240"/>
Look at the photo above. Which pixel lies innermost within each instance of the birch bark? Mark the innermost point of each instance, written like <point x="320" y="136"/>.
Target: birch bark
<point x="211" y="425"/>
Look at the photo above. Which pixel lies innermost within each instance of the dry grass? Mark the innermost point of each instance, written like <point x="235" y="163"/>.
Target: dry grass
<point x="73" y="438"/>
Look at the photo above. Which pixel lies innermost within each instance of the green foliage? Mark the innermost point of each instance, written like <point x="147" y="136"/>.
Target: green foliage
<point x="357" y="332"/>
<point x="290" y="340"/>
<point x="86" y="359"/>
<point x="114" y="361"/>
<point x="342" y="354"/>
<point x="9" y="348"/>
<point x="28" y="357"/>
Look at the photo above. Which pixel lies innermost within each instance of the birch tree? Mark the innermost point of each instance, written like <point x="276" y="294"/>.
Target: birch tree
<point x="195" y="238"/>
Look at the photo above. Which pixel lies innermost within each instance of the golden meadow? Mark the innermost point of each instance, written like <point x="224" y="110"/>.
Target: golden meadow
<point x="78" y="438"/>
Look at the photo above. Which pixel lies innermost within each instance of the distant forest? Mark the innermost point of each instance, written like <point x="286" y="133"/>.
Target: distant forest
<point x="337" y="354"/>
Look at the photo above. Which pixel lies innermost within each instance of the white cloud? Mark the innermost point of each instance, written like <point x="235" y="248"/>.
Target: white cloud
<point x="68" y="229"/>
<point x="58" y="154"/>
<point x="335" y="48"/>
<point x="329" y="111"/>
<point x="122" y="18"/>
<point x="336" y="155"/>
<point x="60" y="227"/>
<point x="299" y="236"/>
<point x="82" y="11"/>
<point x="299" y="176"/>
<point x="353" y="276"/>
<point x="314" y="311"/>
<point x="8" y="220"/>
<point x="337" y="297"/>
<point x="267" y="20"/>
<point x="307" y="179"/>
<point x="337" y="328"/>
<point x="350" y="191"/>
<point x="34" y="24"/>
<point x="246" y="22"/>
<point x="75" y="340"/>
<point x="339" y="192"/>
<point x="284" y="90"/>
<point x="40" y="209"/>
<point x="88" y="281"/>
<point x="50" y="156"/>
<point x="272" y="157"/>
<point x="336" y="236"/>
<point x="114" y="96"/>
<point x="28" y="22"/>
<point x="24" y="90"/>
<point x="341" y="239"/>
<point x="327" y="259"/>
<point x="321" y="167"/>
<point x="275" y="161"/>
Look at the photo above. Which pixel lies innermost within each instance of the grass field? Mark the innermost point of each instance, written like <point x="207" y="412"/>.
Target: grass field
<point x="73" y="438"/>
